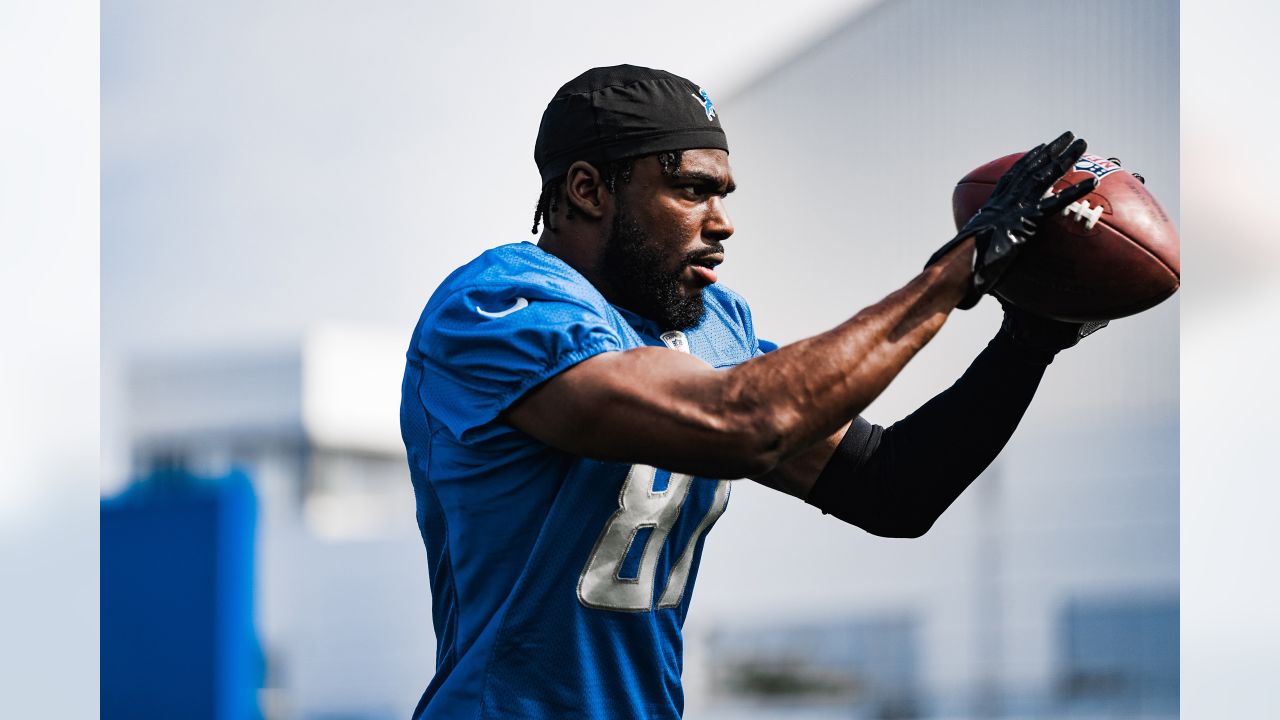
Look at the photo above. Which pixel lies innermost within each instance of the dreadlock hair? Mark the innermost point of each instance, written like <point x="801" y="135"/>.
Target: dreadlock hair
<point x="611" y="172"/>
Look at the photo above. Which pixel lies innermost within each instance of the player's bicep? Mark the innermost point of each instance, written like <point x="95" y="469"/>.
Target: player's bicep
<point x="647" y="405"/>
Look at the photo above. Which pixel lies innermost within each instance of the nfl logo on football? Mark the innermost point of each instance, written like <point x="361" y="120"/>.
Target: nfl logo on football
<point x="1096" y="165"/>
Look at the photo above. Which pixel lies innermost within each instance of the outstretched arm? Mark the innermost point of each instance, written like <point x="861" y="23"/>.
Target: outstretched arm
<point x="668" y="409"/>
<point x="897" y="481"/>
<point x="770" y="416"/>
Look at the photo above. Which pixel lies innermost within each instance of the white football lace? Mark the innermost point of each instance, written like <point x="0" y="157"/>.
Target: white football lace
<point x="1085" y="213"/>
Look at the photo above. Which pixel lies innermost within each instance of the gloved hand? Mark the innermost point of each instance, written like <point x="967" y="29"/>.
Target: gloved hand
<point x="1009" y="216"/>
<point x="1042" y="336"/>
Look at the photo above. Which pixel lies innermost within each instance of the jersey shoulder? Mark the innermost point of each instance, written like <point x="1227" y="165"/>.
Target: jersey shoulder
<point x="500" y="325"/>
<point x="726" y="328"/>
<point x="521" y="270"/>
<point x="733" y="305"/>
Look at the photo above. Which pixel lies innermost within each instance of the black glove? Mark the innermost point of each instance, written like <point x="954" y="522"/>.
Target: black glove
<point x="1043" y="337"/>
<point x="1009" y="217"/>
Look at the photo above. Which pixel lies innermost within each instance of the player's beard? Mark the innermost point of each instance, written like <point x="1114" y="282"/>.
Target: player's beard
<point x="633" y="265"/>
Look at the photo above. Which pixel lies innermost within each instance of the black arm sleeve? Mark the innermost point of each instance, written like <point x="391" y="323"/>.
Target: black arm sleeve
<point x="896" y="481"/>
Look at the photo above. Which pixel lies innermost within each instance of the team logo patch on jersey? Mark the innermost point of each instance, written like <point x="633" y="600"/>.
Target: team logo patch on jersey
<point x="706" y="103"/>
<point x="1098" y="166"/>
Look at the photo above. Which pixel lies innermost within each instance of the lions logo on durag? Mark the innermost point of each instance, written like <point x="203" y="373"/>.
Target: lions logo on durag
<point x="706" y="103"/>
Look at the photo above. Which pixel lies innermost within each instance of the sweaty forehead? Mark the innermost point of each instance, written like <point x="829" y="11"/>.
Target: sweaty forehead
<point x="706" y="161"/>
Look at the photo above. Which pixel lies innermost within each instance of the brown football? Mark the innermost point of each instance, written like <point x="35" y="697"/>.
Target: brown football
<point x="1110" y="254"/>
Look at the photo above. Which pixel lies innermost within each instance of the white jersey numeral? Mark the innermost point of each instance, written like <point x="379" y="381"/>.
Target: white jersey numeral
<point x="679" y="575"/>
<point x="601" y="584"/>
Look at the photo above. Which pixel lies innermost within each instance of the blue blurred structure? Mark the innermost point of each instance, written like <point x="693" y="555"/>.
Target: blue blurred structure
<point x="1120" y="656"/>
<point x="860" y="667"/>
<point x="177" y="637"/>
<point x="1115" y="657"/>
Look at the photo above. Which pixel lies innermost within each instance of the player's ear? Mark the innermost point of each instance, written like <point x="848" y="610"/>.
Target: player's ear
<point x="585" y="190"/>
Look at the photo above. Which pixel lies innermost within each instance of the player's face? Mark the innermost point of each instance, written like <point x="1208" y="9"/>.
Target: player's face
<point x="665" y="237"/>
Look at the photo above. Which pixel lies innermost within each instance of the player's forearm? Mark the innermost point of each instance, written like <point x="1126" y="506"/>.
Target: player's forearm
<point x="896" y="482"/>
<point x="803" y="392"/>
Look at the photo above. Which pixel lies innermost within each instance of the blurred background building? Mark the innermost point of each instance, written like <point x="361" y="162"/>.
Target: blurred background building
<point x="281" y="192"/>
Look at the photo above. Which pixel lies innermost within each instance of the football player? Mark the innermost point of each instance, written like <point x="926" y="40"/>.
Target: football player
<point x="573" y="410"/>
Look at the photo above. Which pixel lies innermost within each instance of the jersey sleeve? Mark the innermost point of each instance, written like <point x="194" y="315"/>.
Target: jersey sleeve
<point x="483" y="347"/>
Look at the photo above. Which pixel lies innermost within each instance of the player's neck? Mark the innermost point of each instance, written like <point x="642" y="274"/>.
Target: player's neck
<point x="580" y="253"/>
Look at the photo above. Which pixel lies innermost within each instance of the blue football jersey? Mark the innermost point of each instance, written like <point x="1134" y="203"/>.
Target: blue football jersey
<point x="559" y="583"/>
